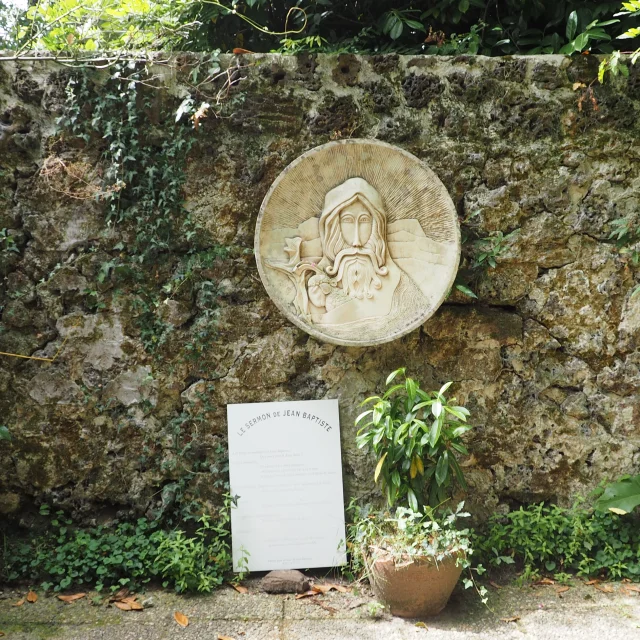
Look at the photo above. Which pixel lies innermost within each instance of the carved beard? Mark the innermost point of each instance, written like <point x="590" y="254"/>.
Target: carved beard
<point x="356" y="271"/>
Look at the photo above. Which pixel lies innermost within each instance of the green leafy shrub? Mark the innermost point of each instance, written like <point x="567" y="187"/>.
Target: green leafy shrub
<point x="555" y="539"/>
<point x="126" y="554"/>
<point x="415" y="436"/>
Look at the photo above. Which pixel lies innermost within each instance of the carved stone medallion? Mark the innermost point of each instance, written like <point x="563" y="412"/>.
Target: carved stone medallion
<point x="357" y="242"/>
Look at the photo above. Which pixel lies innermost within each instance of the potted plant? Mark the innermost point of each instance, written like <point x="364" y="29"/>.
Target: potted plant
<point x="413" y="558"/>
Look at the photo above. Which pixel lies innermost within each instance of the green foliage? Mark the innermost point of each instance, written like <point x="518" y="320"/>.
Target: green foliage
<point x="614" y="63"/>
<point x="620" y="497"/>
<point x="486" y="251"/>
<point x="416" y="437"/>
<point x="10" y="18"/>
<point x="4" y="433"/>
<point x="549" y="538"/>
<point x="626" y="233"/>
<point x="198" y="562"/>
<point x="124" y="554"/>
<point x="8" y="242"/>
<point x="409" y="534"/>
<point x="448" y="27"/>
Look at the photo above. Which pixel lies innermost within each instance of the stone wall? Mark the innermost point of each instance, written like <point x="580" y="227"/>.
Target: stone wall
<point x="547" y="358"/>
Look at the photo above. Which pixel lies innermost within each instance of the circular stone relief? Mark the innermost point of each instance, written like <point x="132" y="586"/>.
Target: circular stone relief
<point x="357" y="242"/>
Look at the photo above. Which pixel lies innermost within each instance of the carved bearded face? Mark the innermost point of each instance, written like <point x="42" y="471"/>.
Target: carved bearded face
<point x="353" y="236"/>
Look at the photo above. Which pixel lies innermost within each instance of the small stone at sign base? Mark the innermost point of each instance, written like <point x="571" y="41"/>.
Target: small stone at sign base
<point x="290" y="581"/>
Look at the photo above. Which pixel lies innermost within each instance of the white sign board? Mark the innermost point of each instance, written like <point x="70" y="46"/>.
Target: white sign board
<point x="285" y="467"/>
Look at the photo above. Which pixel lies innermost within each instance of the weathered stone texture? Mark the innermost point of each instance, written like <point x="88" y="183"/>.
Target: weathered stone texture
<point x="547" y="358"/>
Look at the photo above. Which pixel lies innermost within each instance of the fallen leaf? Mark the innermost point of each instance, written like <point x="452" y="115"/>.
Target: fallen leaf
<point x="239" y="588"/>
<point x="326" y="607"/>
<point x="19" y="603"/>
<point x="119" y="595"/>
<point x="239" y="50"/>
<point x="562" y="590"/>
<point x="605" y="588"/>
<point x="124" y="606"/>
<point x="1" y="634"/>
<point x="325" y="588"/>
<point x="421" y="625"/>
<point x="32" y="596"/>
<point x="590" y="582"/>
<point x="135" y="606"/>
<point x="181" y="619"/>
<point x="75" y="596"/>
<point x="512" y="619"/>
<point x="129" y="599"/>
<point x="495" y="585"/>
<point x="578" y="85"/>
<point x="224" y="637"/>
<point x="630" y="587"/>
<point x="544" y="581"/>
<point x="307" y="594"/>
<point x="200" y="114"/>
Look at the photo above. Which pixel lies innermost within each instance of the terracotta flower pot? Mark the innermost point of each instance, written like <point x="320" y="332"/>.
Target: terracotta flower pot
<point x="415" y="589"/>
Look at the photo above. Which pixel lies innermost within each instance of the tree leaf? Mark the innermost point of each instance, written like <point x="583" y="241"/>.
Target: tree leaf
<point x="572" y="25"/>
<point x="436" y="408"/>
<point x="411" y="389"/>
<point x="444" y="387"/>
<point x="413" y="501"/>
<point x="434" y="434"/>
<point x="458" y="471"/>
<point x="181" y="619"/>
<point x="32" y="596"/>
<point x="379" y="467"/>
<point x="396" y="30"/>
<point x="454" y="412"/>
<point x="393" y="374"/>
<point x="124" y="606"/>
<point x="414" y="24"/>
<point x="362" y="415"/>
<point x="442" y="468"/>
<point x="581" y="42"/>
<point x="388" y="392"/>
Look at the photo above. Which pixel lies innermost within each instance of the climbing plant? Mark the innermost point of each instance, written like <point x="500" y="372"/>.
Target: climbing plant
<point x="489" y="27"/>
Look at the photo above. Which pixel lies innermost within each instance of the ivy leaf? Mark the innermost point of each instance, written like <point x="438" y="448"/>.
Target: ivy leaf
<point x="620" y="497"/>
<point x="4" y="433"/>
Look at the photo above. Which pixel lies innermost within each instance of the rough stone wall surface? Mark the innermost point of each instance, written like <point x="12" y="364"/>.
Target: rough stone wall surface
<point x="547" y="358"/>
